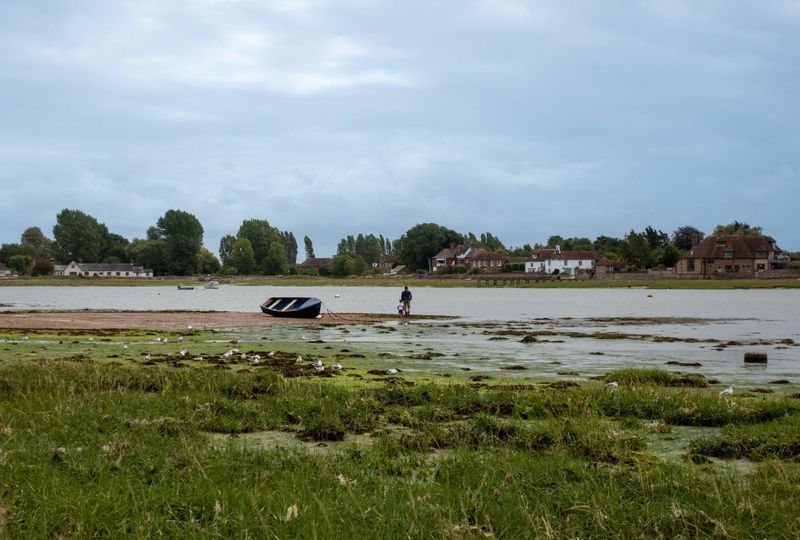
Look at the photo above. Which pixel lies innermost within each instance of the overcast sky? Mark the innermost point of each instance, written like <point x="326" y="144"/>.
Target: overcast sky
<point x="327" y="118"/>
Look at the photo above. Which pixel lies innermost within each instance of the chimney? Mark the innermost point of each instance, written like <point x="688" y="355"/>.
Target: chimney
<point x="695" y="240"/>
<point x="558" y="248"/>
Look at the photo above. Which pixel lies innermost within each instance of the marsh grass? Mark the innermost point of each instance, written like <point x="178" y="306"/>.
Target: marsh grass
<point x="94" y="448"/>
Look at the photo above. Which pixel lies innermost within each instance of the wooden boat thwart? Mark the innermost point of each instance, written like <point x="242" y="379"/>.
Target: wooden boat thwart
<point x="292" y="306"/>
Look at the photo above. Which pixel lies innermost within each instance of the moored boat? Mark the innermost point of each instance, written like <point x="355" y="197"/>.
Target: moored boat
<point x="292" y="306"/>
<point x="211" y="285"/>
<point x="185" y="287"/>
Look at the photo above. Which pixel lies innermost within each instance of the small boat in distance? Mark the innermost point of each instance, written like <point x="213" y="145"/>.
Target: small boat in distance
<point x="292" y="306"/>
<point x="185" y="287"/>
<point x="211" y="285"/>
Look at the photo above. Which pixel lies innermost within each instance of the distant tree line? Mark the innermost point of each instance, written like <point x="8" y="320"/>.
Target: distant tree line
<point x="174" y="246"/>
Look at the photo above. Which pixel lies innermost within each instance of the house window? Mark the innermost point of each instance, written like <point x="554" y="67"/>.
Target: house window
<point x="118" y="273"/>
<point x="761" y="254"/>
<point x="729" y="254"/>
<point x="760" y="267"/>
<point x="580" y="263"/>
<point x="690" y="265"/>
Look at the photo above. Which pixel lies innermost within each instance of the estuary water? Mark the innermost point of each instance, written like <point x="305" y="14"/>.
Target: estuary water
<point x="673" y="321"/>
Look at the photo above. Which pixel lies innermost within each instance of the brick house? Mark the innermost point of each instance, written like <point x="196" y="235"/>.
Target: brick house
<point x="315" y="264"/>
<point x="725" y="254"/>
<point x="470" y="257"/>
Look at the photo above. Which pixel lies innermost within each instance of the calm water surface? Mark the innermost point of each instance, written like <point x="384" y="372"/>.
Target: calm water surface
<point x="741" y="315"/>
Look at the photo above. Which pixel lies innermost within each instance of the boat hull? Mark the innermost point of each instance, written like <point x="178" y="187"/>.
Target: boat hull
<point x="292" y="306"/>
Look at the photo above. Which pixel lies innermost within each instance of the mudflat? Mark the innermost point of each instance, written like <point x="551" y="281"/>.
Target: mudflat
<point x="165" y="320"/>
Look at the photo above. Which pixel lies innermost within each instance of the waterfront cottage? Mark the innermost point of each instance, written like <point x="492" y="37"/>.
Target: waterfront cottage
<point x="111" y="270"/>
<point x="732" y="256"/>
<point x="547" y="261"/>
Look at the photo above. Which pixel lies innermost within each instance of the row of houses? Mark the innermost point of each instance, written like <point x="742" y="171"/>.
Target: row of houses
<point x="102" y="270"/>
<point x="715" y="256"/>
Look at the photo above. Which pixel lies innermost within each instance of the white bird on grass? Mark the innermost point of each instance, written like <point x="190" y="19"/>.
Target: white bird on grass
<point x="183" y="352"/>
<point x="125" y="346"/>
<point x="299" y="359"/>
<point x="336" y="367"/>
<point x="612" y="385"/>
<point x="392" y="371"/>
<point x="317" y="363"/>
<point x="271" y="354"/>
<point x="180" y="338"/>
<point x="727" y="392"/>
<point x="147" y="357"/>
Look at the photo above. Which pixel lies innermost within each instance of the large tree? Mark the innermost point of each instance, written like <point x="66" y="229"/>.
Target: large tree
<point x="183" y="238"/>
<point x="150" y="254"/>
<point x="738" y="229"/>
<point x="637" y="252"/>
<point x="274" y="262"/>
<point x="261" y="235"/>
<point x="78" y="237"/>
<point x="309" y="247"/>
<point x="683" y="237"/>
<point x="226" y="249"/>
<point x="40" y="245"/>
<point x="421" y="242"/>
<point x="242" y="258"/>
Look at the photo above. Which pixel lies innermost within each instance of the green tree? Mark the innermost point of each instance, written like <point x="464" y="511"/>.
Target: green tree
<point x="242" y="257"/>
<point x="150" y="254"/>
<point x="226" y="248"/>
<point x="554" y="241"/>
<point x="42" y="267"/>
<point x="207" y="263"/>
<point x="655" y="238"/>
<point x="608" y="246"/>
<point x="183" y="238"/>
<point x="275" y="261"/>
<point x="738" y="229"/>
<point x="40" y="245"/>
<point x="309" y="247"/>
<point x="682" y="237"/>
<point x="20" y="263"/>
<point x="637" y="253"/>
<point x="670" y="255"/>
<point x="78" y="237"/>
<point x="290" y="247"/>
<point x="347" y="265"/>
<point x="9" y="250"/>
<point x="261" y="235"/>
<point x="524" y="251"/>
<point x="115" y="249"/>
<point x="421" y="242"/>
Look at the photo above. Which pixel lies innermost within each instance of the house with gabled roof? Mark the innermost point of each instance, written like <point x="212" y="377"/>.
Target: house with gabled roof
<point x="547" y="261"/>
<point x="110" y="270"/>
<point x="470" y="257"/>
<point x="719" y="255"/>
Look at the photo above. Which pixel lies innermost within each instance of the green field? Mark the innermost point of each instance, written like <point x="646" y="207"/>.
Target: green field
<point x="117" y="434"/>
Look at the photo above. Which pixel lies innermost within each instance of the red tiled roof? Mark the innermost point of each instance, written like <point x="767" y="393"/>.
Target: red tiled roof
<point x="715" y="246"/>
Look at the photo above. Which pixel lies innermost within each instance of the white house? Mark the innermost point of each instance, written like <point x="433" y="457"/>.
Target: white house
<point x="4" y="270"/>
<point x="102" y="270"/>
<point x="547" y="261"/>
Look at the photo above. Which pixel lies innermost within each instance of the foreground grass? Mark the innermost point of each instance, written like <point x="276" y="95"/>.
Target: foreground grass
<point x="105" y="448"/>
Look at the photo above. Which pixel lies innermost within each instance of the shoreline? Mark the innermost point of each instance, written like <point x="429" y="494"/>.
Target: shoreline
<point x="167" y="320"/>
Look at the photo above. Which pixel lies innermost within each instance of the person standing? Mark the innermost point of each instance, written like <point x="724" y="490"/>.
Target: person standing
<point x="405" y="299"/>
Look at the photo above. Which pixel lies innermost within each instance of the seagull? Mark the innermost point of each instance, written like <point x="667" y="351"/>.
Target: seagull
<point x="25" y="338"/>
<point x="180" y="338"/>
<point x="612" y="385"/>
<point x="320" y="367"/>
<point x="91" y="339"/>
<point x="158" y="340"/>
<point x="125" y="346"/>
<point x="727" y="392"/>
<point x="336" y="367"/>
<point x="255" y="359"/>
<point x="305" y="338"/>
<point x="299" y="359"/>
<point x="392" y="371"/>
<point x="336" y="296"/>
<point x="317" y="364"/>
<point x="271" y="354"/>
<point x="189" y="328"/>
<point x="183" y="352"/>
<point x="147" y="357"/>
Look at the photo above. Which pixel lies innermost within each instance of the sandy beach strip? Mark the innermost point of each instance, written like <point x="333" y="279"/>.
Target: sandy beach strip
<point x="166" y="320"/>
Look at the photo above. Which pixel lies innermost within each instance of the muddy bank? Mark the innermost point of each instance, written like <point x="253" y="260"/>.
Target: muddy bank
<point x="167" y="320"/>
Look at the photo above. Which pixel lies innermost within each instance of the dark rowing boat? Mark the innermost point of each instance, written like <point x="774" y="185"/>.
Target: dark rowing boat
<point x="292" y="306"/>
